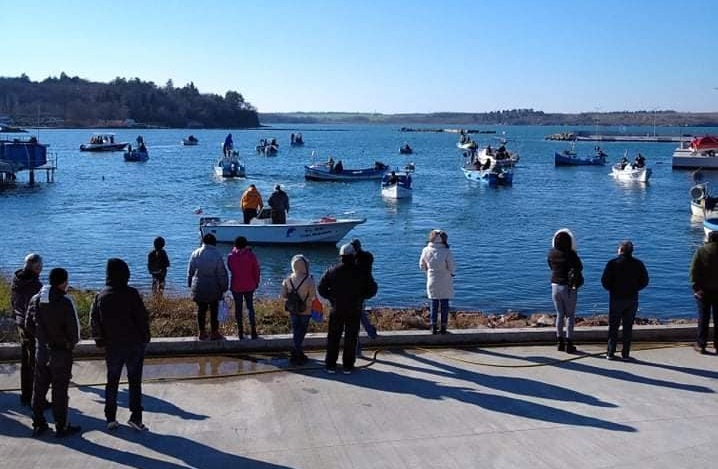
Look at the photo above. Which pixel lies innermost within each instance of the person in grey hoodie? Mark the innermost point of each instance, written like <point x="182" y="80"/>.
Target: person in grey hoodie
<point x="207" y="278"/>
<point x="120" y="324"/>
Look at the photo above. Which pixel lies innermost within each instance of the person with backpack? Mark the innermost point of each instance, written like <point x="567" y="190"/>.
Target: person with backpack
<point x="157" y="264"/>
<point x="299" y="290"/>
<point x="244" y="267"/>
<point x="566" y="278"/>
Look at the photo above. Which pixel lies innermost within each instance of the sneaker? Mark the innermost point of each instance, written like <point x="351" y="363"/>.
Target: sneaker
<point x="114" y="425"/>
<point x="139" y="426"/>
<point x="331" y="371"/>
<point x="610" y="356"/>
<point x="40" y="430"/>
<point x="699" y="349"/>
<point x="348" y="371"/>
<point x="203" y="336"/>
<point x="67" y="431"/>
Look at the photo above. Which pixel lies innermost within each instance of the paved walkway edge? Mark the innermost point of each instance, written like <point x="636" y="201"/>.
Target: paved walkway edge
<point x="462" y="337"/>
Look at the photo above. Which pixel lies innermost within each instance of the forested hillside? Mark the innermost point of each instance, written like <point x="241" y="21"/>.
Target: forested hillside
<point x="75" y="102"/>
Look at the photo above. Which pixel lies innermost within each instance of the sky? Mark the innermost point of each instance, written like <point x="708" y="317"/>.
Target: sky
<point x="386" y="56"/>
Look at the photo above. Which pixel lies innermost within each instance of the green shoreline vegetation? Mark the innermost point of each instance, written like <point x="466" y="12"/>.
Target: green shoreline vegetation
<point x="174" y="316"/>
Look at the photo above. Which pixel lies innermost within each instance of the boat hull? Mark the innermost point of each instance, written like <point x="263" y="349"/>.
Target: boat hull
<point x="561" y="159"/>
<point x="396" y="191"/>
<point x="189" y="143"/>
<point x="136" y="156"/>
<point x="322" y="173"/>
<point x="100" y="147"/>
<point x="631" y="174"/>
<point x="709" y="225"/>
<point x="326" y="231"/>
<point x="489" y="177"/>
<point x="689" y="159"/>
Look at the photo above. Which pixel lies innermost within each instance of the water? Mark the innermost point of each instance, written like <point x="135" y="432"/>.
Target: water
<point x="101" y="206"/>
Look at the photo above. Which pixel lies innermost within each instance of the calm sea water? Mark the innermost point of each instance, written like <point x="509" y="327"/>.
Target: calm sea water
<point x="101" y="206"/>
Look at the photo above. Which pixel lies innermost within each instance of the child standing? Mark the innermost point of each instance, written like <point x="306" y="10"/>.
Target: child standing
<point x="157" y="264"/>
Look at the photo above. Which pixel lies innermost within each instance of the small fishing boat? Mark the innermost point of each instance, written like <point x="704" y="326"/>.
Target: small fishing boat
<point x="230" y="166"/>
<point x="268" y="147"/>
<point x="501" y="157"/>
<point x="406" y="149"/>
<point x="296" y="139"/>
<point x="103" y="142"/>
<point x="190" y="141"/>
<point x="638" y="171"/>
<point x="702" y="204"/>
<point x="136" y="155"/>
<point x="570" y="158"/>
<point x="397" y="186"/>
<point x="261" y="230"/>
<point x="336" y="172"/>
<point x="487" y="172"/>
<point x="700" y="152"/>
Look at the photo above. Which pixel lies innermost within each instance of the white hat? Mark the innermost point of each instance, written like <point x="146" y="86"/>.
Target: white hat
<point x="346" y="250"/>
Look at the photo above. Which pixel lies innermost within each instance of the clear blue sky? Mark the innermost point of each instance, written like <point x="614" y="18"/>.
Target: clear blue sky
<point x="384" y="56"/>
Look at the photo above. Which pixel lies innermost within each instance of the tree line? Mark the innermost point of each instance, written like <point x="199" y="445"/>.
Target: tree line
<point x="75" y="102"/>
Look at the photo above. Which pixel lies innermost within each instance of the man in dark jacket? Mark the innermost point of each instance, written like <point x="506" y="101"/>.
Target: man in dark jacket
<point x="120" y="324"/>
<point x="365" y="261"/>
<point x="704" y="280"/>
<point x="52" y="318"/>
<point x="279" y="203"/>
<point x="623" y="277"/>
<point x="346" y="286"/>
<point x="26" y="284"/>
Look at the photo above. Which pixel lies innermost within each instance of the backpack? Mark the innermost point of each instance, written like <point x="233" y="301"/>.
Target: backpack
<point x="295" y="304"/>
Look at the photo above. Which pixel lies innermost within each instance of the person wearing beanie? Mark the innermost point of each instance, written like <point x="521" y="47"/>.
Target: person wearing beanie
<point x="279" y="203"/>
<point x="207" y="278"/>
<point x="438" y="263"/>
<point x="623" y="277"/>
<point x="25" y="284"/>
<point x="157" y="264"/>
<point x="120" y="324"/>
<point x="346" y="286"/>
<point x="52" y="318"/>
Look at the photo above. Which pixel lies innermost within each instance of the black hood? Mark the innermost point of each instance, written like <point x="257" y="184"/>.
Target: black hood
<point x="118" y="274"/>
<point x="23" y="277"/>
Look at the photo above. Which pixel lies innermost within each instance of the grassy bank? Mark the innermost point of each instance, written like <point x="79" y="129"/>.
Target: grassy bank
<point x="175" y="317"/>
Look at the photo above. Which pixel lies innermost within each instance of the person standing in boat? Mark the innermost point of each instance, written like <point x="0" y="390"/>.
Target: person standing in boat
<point x="438" y="263"/>
<point x="279" y="203"/>
<point x="228" y="145"/>
<point x="251" y="203"/>
<point x="208" y="280"/>
<point x="623" y="277"/>
<point x="562" y="259"/>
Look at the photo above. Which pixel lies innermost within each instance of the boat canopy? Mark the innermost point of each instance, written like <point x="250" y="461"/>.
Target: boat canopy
<point x="708" y="142"/>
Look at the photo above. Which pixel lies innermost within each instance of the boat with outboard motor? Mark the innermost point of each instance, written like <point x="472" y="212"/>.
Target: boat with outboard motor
<point x="103" y="142"/>
<point x="631" y="172"/>
<point x="230" y="166"/>
<point x="190" y="141"/>
<point x="269" y="147"/>
<point x="138" y="154"/>
<point x="571" y="158"/>
<point x="325" y="230"/>
<point x="700" y="152"/>
<point x="702" y="204"/>
<point x="406" y="149"/>
<point x="487" y="172"/>
<point x="335" y="172"/>
<point x="398" y="186"/>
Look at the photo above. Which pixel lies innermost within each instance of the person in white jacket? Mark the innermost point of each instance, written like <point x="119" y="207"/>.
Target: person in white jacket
<point x="438" y="263"/>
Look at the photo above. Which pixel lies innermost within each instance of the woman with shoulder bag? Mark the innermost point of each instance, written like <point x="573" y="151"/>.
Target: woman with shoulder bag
<point x="566" y="277"/>
<point x="299" y="290"/>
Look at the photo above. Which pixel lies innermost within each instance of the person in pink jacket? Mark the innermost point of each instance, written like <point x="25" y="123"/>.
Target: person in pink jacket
<point x="244" y="267"/>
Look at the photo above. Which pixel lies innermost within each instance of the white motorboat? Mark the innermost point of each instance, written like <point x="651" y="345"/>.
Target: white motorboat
<point x="103" y="142"/>
<point x="697" y="153"/>
<point x="630" y="173"/>
<point x="397" y="186"/>
<point x="261" y="230"/>
<point x="230" y="167"/>
<point x="702" y="204"/>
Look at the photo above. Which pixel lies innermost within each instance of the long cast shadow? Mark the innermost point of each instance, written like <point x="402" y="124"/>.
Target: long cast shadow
<point x="389" y="381"/>
<point x="515" y="385"/>
<point x="149" y="402"/>
<point x="190" y="452"/>
<point x="609" y="373"/>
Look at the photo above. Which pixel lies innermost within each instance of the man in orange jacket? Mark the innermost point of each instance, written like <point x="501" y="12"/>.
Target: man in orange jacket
<point x="251" y="203"/>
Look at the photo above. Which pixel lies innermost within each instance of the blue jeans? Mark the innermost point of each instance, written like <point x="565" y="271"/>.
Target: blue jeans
<point x="116" y="357"/>
<point x="249" y="299"/>
<point x="437" y="305"/>
<point x="564" y="300"/>
<point x="300" y="323"/>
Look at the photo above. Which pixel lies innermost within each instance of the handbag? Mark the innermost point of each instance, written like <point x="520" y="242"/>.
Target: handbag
<point x="317" y="310"/>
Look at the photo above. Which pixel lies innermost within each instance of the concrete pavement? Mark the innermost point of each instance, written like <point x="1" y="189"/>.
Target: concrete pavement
<point x="503" y="407"/>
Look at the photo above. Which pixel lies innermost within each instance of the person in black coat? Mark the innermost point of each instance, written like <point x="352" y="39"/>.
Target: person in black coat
<point x="346" y="286"/>
<point x="26" y="284"/>
<point x="279" y="204"/>
<point x="120" y="324"/>
<point x="562" y="259"/>
<point x="623" y="277"/>
<point x="52" y="319"/>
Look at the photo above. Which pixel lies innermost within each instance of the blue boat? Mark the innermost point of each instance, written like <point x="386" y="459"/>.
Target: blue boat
<point x="570" y="158"/>
<point x="327" y="172"/>
<point x="493" y="177"/>
<point x="17" y="155"/>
